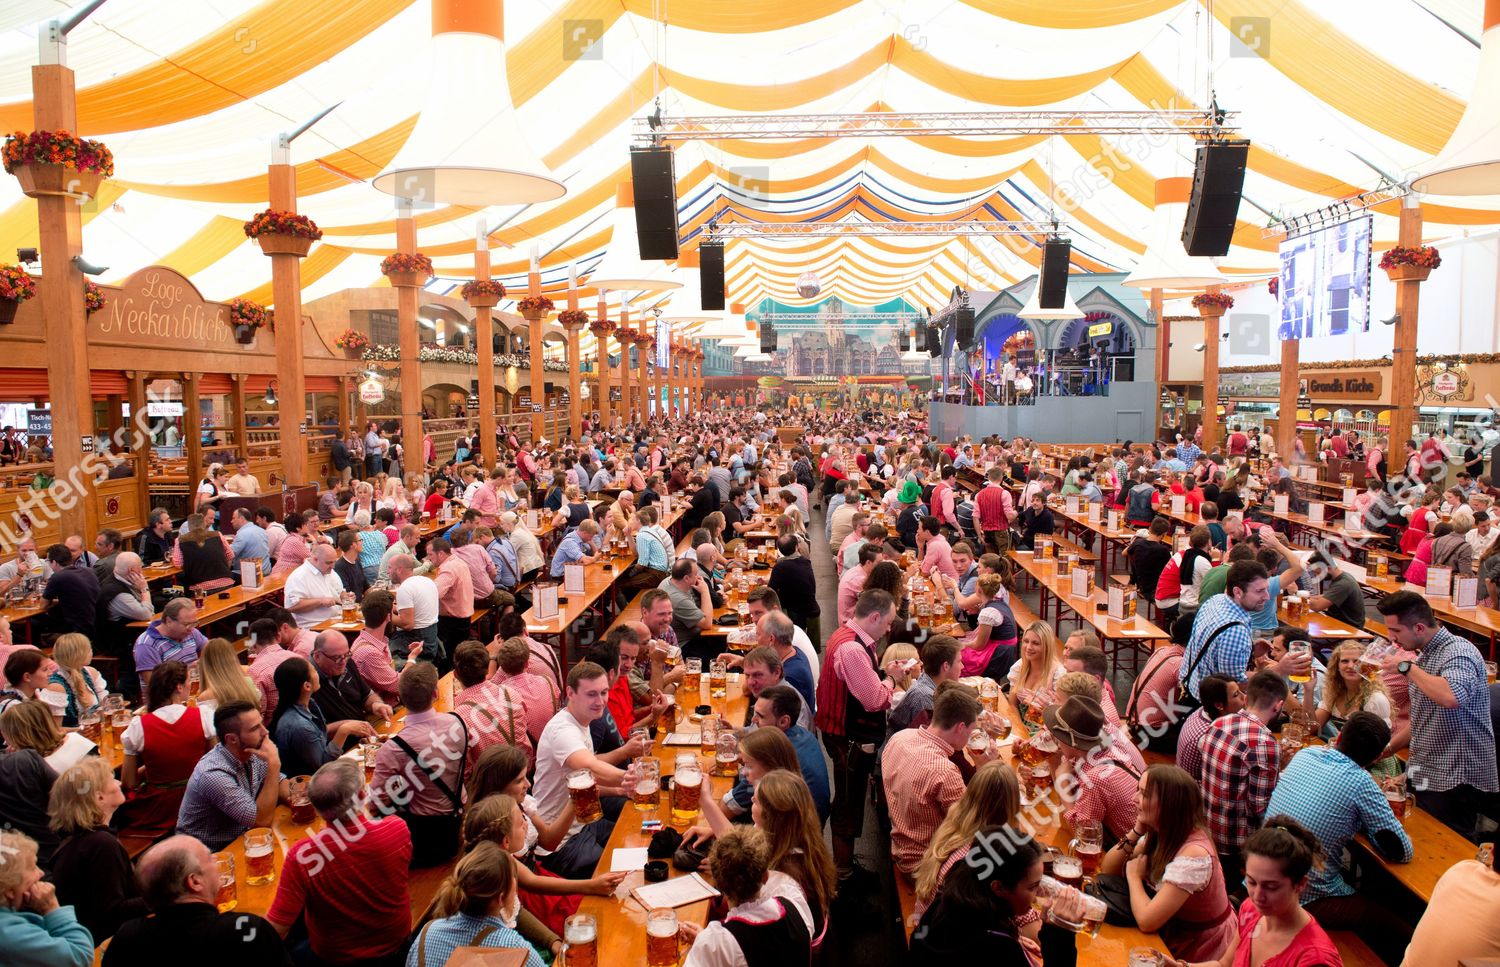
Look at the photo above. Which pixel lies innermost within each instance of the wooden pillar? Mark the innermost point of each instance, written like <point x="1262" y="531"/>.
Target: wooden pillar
<point x="60" y="238"/>
<point x="192" y="434"/>
<point x="575" y="371"/>
<point x="1212" y="432"/>
<point x="140" y="442"/>
<point x="286" y="294"/>
<point x="237" y="402"/>
<point x="484" y="328"/>
<point x="1163" y="353"/>
<point x="345" y="388"/>
<point x="411" y="342"/>
<point x="603" y="403"/>
<point x="1404" y="349"/>
<point x="534" y="330"/>
<point x="626" y="336"/>
<point x="1286" y="413"/>
<point x="641" y="354"/>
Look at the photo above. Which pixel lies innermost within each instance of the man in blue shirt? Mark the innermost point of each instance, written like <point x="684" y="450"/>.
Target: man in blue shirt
<point x="1265" y="619"/>
<point x="1221" y="641"/>
<point x="603" y="477"/>
<point x="250" y="542"/>
<point x="1328" y="791"/>
<point x="779" y="706"/>
<point x="576" y="548"/>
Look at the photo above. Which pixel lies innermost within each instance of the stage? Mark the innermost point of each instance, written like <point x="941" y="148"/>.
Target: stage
<point x="1127" y="413"/>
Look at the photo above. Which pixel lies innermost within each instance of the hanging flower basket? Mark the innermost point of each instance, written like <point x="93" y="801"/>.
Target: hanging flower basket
<point x="1274" y="286"/>
<point x="93" y="298"/>
<point x="283" y="232"/>
<point x="352" y="342"/>
<point x="243" y="334"/>
<point x="1212" y="305"/>
<point x="1407" y="264"/>
<point x="57" y="163"/>
<point x="16" y="286"/>
<point x="572" y="317"/>
<point x="534" y="307"/>
<point x="407" y="270"/>
<point x="245" y="318"/>
<point x="483" y="293"/>
<point x="601" y="328"/>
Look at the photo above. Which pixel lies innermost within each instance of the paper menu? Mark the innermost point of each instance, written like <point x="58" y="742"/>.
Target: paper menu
<point x="544" y="600"/>
<point x="676" y="892"/>
<point x="1465" y="592"/>
<point x="627" y="859"/>
<point x="1439" y="581"/>
<point x="573" y="578"/>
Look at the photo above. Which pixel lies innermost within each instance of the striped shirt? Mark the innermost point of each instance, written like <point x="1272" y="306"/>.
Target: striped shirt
<point x="922" y="785"/>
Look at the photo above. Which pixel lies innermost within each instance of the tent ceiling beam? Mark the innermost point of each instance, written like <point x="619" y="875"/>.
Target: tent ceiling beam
<point x="973" y="124"/>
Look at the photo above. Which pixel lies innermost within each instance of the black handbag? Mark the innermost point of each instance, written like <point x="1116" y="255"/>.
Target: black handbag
<point x="436" y="839"/>
<point x="1115" y="892"/>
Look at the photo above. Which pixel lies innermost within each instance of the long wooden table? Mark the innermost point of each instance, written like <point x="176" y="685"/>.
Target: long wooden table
<point x="1478" y="620"/>
<point x="1133" y="631"/>
<point x="230" y="601"/>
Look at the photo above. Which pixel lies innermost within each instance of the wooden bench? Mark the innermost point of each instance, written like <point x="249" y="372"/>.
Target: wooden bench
<point x="906" y="896"/>
<point x="1355" y="952"/>
<point x="1068" y="546"/>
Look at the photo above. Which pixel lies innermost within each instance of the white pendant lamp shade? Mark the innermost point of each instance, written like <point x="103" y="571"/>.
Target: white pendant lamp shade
<point x="1469" y="163"/>
<point x="1166" y="264"/>
<point x="468" y="147"/>
<point x="745" y="352"/>
<point x="622" y="269"/>
<point x="1033" y="308"/>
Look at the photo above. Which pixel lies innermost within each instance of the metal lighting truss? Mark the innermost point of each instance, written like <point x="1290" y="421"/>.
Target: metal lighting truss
<point x="1340" y="211"/>
<point x="805" y="322"/>
<point x="657" y="129"/>
<point x="865" y="229"/>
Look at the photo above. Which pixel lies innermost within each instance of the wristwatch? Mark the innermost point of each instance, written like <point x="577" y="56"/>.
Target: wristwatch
<point x="1404" y="667"/>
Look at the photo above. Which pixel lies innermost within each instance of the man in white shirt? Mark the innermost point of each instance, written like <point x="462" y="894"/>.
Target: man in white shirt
<point x="243" y="482"/>
<point x="1482" y="534"/>
<point x="312" y="591"/>
<point x="1008" y="380"/>
<point x="529" y="556"/>
<point x="415" y="617"/>
<point x="567" y="746"/>
<point x="25" y="564"/>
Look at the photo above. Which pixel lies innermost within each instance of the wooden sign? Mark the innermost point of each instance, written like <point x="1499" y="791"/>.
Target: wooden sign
<point x="1359" y="385"/>
<point x="158" y="307"/>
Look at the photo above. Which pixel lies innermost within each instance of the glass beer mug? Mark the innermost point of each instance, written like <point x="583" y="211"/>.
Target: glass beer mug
<point x="661" y="938"/>
<point x="580" y="941"/>
<point x="584" y="792"/>
<point x="647" y="791"/>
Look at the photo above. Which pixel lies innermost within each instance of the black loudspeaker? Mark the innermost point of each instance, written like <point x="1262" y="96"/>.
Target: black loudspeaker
<point x="934" y="341"/>
<point x="1218" y="178"/>
<point x="654" y="176"/>
<point x="1053" y="283"/>
<point x="965" y="335"/>
<point x="767" y="338"/>
<point x="903" y="339"/>
<point x="473" y="386"/>
<point x="711" y="274"/>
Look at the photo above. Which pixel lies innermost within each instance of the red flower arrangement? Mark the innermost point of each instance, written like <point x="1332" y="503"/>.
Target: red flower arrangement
<point x="402" y="262"/>
<point x="16" y="284"/>
<point x="243" y="312"/>
<point x="1424" y="257"/>
<point x="572" y="317"/>
<point x="1097" y="316"/>
<point x="534" y="304"/>
<point x="273" y="222"/>
<point x="1274" y="286"/>
<point x="1216" y="300"/>
<point x="57" y="148"/>
<point x="602" y="327"/>
<point x="483" y="287"/>
<point x="352" y="339"/>
<point x="93" y="298"/>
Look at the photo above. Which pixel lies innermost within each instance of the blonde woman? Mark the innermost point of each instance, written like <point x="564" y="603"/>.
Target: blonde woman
<point x="211" y="487"/>
<point x="30" y="917"/>
<point x="222" y="679"/>
<point x="30" y="725"/>
<point x="992" y="798"/>
<point x="396" y="499"/>
<point x="1033" y="677"/>
<point x="90" y="869"/>
<point x="1346" y="691"/>
<point x="76" y="688"/>
<point x="364" y="500"/>
<point x="473" y="905"/>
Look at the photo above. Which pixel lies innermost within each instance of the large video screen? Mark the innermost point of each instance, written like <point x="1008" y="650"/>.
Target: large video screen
<point x="663" y="344"/>
<point x="1325" y="281"/>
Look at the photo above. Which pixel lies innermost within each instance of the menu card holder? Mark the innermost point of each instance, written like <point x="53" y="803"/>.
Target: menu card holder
<point x="1439" y="582"/>
<point x="1315" y="513"/>
<point x="573" y="578"/>
<point x="544" y="600"/>
<point x="1072" y="503"/>
<point x="1121" y="603"/>
<point x="1351" y="521"/>
<point x="1114" y="520"/>
<point x="1094" y="511"/>
<point x="1465" y="592"/>
<point x="1349" y="496"/>
<point x="1083" y="582"/>
<point x="1280" y="504"/>
<point x="250" y="575"/>
<point x="533" y="520"/>
<point x="1179" y="504"/>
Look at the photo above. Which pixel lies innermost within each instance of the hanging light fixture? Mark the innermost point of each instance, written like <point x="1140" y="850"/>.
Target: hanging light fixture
<point x="622" y="269"/>
<point x="453" y="156"/>
<point x="1166" y="264"/>
<point x="1469" y="163"/>
<point x="271" y="393"/>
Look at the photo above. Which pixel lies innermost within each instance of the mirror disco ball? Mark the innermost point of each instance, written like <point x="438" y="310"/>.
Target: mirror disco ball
<point x="809" y="285"/>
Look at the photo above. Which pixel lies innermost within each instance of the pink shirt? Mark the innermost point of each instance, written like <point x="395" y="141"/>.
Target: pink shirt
<point x="372" y="656"/>
<point x="263" y="673"/>
<point x="496" y="715"/>
<point x="481" y="568"/>
<point x="850" y="586"/>
<point x="838" y="559"/>
<point x="302" y="645"/>
<point x="939" y="557"/>
<point x="487" y="502"/>
<point x="455" y="589"/>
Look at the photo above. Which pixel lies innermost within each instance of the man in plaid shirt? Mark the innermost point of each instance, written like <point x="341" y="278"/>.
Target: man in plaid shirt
<point x="1103" y="787"/>
<point x="1452" y="740"/>
<point x="1240" y="767"/>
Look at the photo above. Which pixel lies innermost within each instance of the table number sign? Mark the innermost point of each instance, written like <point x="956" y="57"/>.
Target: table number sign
<point x="1315" y="513"/>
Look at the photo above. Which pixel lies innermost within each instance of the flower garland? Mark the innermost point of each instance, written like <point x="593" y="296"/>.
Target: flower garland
<point x="1204" y="300"/>
<point x="572" y="317"/>
<point x="274" y="222"/>
<point x="1468" y="359"/>
<point x="1425" y="257"/>
<point x="446" y="354"/>
<point x="1274" y="286"/>
<point x="403" y="262"/>
<point x="57" y="148"/>
<point x="351" y="339"/>
<point x="16" y="284"/>
<point x="539" y="304"/>
<point x="93" y="298"/>
<point x="487" y="287"/>
<point x="243" y="312"/>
